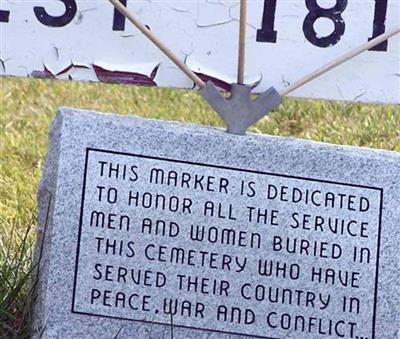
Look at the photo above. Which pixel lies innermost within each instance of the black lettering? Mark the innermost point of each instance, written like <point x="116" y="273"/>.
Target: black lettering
<point x="57" y="21"/>
<point x="380" y="24"/>
<point x="267" y="32"/>
<point x="4" y="16"/>
<point x="119" y="19"/>
<point x="334" y="14"/>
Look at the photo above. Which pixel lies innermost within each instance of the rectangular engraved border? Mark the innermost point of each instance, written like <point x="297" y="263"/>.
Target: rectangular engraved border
<point x="88" y="150"/>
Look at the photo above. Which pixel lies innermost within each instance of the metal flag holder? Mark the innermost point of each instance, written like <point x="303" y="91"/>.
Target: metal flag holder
<point x="239" y="110"/>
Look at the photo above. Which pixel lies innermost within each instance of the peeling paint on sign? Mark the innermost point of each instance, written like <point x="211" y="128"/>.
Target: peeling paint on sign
<point x="114" y="74"/>
<point x="90" y="41"/>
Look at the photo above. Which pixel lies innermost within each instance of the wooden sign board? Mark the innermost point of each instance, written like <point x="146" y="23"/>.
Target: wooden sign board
<point x="90" y="41"/>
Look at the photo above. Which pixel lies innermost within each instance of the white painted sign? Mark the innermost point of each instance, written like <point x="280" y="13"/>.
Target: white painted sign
<point x="287" y="39"/>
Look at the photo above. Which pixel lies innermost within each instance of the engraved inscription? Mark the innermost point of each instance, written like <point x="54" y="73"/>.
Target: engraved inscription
<point x="228" y="250"/>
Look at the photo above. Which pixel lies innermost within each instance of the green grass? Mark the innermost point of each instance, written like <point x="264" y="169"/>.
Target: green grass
<point x="28" y="106"/>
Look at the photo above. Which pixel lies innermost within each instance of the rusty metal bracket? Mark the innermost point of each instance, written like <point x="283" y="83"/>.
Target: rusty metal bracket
<point x="239" y="110"/>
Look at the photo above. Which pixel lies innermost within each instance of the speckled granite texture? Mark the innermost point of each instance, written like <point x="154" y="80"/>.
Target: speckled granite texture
<point x="110" y="180"/>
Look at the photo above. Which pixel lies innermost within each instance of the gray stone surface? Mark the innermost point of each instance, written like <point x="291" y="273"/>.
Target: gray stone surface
<point x="246" y="200"/>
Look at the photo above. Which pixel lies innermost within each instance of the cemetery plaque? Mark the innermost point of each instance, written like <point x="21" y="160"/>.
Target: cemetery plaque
<point x="150" y="229"/>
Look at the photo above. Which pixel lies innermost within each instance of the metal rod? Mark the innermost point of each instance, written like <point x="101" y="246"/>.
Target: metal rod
<point x="149" y="34"/>
<point x="346" y="57"/>
<point x="242" y="42"/>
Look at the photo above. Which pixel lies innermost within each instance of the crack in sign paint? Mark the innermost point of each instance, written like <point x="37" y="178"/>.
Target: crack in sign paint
<point x="226" y="86"/>
<point x="43" y="74"/>
<point x="3" y="65"/>
<point x="47" y="74"/>
<point x="72" y="66"/>
<point x="127" y="78"/>
<point x="217" y="82"/>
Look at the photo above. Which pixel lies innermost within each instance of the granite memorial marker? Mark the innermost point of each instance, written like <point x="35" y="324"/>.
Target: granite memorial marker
<point x="150" y="227"/>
